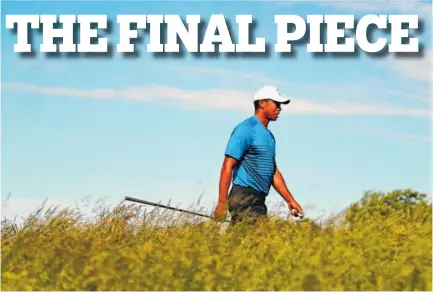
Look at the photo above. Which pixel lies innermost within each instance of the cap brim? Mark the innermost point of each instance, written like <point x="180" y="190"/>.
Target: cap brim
<point x="282" y="99"/>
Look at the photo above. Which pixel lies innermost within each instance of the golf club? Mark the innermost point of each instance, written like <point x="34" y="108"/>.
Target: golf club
<point x="167" y="207"/>
<point x="293" y="211"/>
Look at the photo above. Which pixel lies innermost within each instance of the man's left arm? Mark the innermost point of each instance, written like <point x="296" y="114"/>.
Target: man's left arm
<point x="280" y="186"/>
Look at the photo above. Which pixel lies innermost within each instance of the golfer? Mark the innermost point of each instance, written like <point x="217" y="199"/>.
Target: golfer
<point x="250" y="165"/>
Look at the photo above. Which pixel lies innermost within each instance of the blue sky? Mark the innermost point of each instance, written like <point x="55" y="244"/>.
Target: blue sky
<point x="156" y="127"/>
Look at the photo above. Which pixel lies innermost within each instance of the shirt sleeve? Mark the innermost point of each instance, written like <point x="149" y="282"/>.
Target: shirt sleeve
<point x="239" y="141"/>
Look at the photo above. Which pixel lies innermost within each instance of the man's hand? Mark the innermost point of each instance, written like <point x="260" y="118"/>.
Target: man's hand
<point x="295" y="208"/>
<point x="220" y="212"/>
<point x="281" y="187"/>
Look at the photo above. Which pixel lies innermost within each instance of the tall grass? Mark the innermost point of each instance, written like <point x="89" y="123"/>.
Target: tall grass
<point x="382" y="242"/>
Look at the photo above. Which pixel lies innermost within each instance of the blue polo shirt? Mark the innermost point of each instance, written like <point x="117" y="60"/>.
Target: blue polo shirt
<point x="253" y="145"/>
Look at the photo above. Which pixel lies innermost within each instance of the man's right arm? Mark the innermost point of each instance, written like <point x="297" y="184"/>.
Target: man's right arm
<point x="226" y="178"/>
<point x="236" y="147"/>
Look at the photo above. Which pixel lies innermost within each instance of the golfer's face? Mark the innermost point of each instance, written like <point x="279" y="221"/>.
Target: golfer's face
<point x="273" y="109"/>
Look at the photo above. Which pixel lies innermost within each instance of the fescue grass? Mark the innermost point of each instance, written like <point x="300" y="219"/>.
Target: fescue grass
<point x="382" y="242"/>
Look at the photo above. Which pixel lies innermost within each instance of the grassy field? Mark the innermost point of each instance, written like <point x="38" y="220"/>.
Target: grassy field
<point x="382" y="242"/>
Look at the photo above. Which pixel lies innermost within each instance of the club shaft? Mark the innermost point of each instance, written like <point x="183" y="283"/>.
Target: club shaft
<point x="166" y="207"/>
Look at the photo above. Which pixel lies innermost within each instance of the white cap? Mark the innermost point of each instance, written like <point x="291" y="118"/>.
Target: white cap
<point x="270" y="92"/>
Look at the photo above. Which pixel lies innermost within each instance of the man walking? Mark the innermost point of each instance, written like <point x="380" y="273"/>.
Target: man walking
<point x="250" y="163"/>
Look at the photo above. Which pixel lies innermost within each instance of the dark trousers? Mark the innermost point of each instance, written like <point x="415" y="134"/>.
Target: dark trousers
<point x="246" y="203"/>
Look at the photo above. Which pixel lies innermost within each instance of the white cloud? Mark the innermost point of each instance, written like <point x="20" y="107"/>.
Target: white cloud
<point x="420" y="95"/>
<point x="219" y="99"/>
<point x="423" y="9"/>
<point x="230" y="75"/>
<point x="303" y="106"/>
<point x="19" y="208"/>
<point x="225" y="77"/>
<point x="414" y="67"/>
<point x="397" y="136"/>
